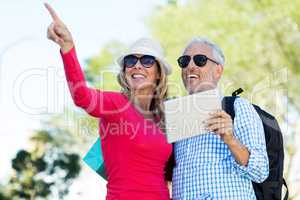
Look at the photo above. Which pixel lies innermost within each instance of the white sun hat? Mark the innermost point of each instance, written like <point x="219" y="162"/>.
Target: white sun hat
<point x="147" y="46"/>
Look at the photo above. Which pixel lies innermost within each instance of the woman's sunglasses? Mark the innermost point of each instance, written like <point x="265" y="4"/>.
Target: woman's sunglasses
<point x="146" y="60"/>
<point x="199" y="59"/>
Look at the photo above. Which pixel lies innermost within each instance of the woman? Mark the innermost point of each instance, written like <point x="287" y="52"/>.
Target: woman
<point x="134" y="147"/>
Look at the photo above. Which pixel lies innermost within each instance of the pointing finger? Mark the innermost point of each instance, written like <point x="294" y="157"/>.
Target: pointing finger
<point x="52" y="13"/>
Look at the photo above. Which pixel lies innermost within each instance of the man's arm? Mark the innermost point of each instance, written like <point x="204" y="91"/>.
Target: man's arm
<point x="221" y="124"/>
<point x="239" y="151"/>
<point x="246" y="140"/>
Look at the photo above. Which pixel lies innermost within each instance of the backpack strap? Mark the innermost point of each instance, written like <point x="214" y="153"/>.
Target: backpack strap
<point x="228" y="102"/>
<point x="287" y="190"/>
<point x="237" y="92"/>
<point x="228" y="105"/>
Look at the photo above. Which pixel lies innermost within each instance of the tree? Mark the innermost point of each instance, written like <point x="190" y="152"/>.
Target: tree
<point x="45" y="170"/>
<point x="101" y="71"/>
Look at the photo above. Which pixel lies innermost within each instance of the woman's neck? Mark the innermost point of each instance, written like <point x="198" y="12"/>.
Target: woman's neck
<point x="142" y="100"/>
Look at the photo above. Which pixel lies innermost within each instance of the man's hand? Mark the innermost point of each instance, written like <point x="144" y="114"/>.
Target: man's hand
<point x="221" y="123"/>
<point x="58" y="32"/>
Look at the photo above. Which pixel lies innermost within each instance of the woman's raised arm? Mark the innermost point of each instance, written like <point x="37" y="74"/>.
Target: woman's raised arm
<point x="95" y="103"/>
<point x="58" y="31"/>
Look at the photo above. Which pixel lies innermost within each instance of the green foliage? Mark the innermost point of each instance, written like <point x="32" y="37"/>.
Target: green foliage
<point x="172" y="2"/>
<point x="46" y="170"/>
<point x="260" y="39"/>
<point x="102" y="71"/>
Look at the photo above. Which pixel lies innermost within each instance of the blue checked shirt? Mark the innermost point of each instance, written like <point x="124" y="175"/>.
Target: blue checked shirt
<point x="206" y="169"/>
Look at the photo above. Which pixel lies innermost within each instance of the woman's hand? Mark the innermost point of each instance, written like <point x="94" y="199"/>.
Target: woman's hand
<point x="58" y="32"/>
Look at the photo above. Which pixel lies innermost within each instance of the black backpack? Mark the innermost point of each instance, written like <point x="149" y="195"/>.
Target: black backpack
<point x="271" y="188"/>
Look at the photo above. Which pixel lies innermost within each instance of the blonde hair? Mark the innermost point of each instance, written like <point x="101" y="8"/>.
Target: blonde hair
<point x="160" y="94"/>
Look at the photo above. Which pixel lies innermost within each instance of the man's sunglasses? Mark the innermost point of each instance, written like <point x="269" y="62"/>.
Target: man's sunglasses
<point x="199" y="59"/>
<point x="146" y="60"/>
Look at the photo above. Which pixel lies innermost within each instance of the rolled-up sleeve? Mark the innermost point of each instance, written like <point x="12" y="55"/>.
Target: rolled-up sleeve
<point x="248" y="128"/>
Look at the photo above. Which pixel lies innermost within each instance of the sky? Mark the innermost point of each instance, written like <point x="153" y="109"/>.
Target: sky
<point x="31" y="74"/>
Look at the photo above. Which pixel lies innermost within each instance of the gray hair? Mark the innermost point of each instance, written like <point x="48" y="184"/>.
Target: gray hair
<point x="216" y="50"/>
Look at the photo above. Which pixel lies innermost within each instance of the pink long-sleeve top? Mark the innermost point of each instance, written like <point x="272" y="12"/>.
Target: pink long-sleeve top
<point x="135" y="150"/>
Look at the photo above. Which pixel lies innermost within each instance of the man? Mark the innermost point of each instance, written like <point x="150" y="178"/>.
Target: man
<point x="220" y="164"/>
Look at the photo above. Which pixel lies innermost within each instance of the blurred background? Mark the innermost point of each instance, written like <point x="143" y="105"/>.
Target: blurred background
<point x="44" y="136"/>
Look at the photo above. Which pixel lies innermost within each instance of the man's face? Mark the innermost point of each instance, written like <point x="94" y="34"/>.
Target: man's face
<point x="197" y="79"/>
